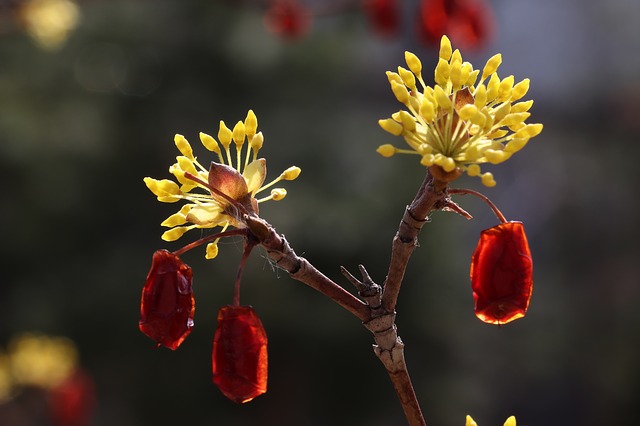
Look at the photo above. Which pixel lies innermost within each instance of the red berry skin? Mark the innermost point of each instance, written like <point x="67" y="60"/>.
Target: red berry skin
<point x="468" y="23"/>
<point x="240" y="354"/>
<point x="502" y="274"/>
<point x="168" y="305"/>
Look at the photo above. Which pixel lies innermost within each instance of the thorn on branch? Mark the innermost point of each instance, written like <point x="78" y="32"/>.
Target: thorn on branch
<point x="451" y="206"/>
<point x="367" y="289"/>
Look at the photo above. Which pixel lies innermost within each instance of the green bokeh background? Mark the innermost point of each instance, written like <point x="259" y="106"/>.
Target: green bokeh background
<point x="81" y="127"/>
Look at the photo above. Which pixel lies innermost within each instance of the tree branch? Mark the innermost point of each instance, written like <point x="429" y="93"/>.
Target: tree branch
<point x="431" y="196"/>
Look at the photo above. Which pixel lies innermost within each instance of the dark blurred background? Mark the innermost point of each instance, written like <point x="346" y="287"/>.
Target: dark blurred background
<point x="82" y="124"/>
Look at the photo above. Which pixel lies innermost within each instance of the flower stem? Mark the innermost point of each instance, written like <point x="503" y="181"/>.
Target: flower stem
<point x="484" y="198"/>
<point x="249" y="244"/>
<point x="208" y="239"/>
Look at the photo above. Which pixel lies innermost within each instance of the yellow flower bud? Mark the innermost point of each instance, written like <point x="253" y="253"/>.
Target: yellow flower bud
<point x="256" y="141"/>
<point x="212" y="251"/>
<point x="224" y="135"/>
<point x="504" y="89"/>
<point x="174" y="220"/>
<point x="183" y="146"/>
<point x="521" y="106"/>
<point x="487" y="179"/>
<point x="520" y="89"/>
<point x="278" y="194"/>
<point x="511" y="421"/>
<point x="445" y="48"/>
<point x="175" y="233"/>
<point x="442" y="99"/>
<point x="291" y="173"/>
<point x="392" y="76"/>
<point x="386" y="150"/>
<point x="407" y="77"/>
<point x="427" y="109"/>
<point x="238" y="134"/>
<point x="492" y="65"/>
<point x="473" y="170"/>
<point x="480" y="96"/>
<point x="468" y="111"/>
<point x="470" y="422"/>
<point x="441" y="74"/>
<point x="209" y="142"/>
<point x="250" y="124"/>
<point x="391" y="126"/>
<point x="408" y="121"/>
<point x="413" y="63"/>
<point x="163" y="188"/>
<point x="400" y="91"/>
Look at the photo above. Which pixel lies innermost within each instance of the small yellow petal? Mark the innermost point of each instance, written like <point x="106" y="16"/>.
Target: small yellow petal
<point x="511" y="421"/>
<point x="174" y="220"/>
<point x="400" y="91"/>
<point x="239" y="134"/>
<point x="210" y="143"/>
<point x="250" y="124"/>
<point x="224" y="135"/>
<point x="516" y="145"/>
<point x="492" y="65"/>
<point x="480" y="96"/>
<point x="470" y="422"/>
<point x="256" y="142"/>
<point x="445" y="48"/>
<point x="175" y="233"/>
<point x="504" y="89"/>
<point x="386" y="150"/>
<point x="407" y="77"/>
<point x="291" y="173"/>
<point x="391" y="126"/>
<point x="520" y="89"/>
<point x="183" y="146"/>
<point x="278" y="194"/>
<point x="495" y="156"/>
<point x="529" y="131"/>
<point x="522" y="106"/>
<point x="427" y="110"/>
<point x="487" y="179"/>
<point x="473" y="170"/>
<point x="413" y="63"/>
<point x="392" y="76"/>
<point x="442" y="99"/>
<point x="211" y="251"/>
<point x="408" y="121"/>
<point x="441" y="74"/>
<point x="468" y="111"/>
<point x="163" y="188"/>
<point x="428" y="160"/>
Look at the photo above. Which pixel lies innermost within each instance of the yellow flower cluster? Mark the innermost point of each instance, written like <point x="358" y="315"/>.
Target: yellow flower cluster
<point x="214" y="193"/>
<point x="460" y="122"/>
<point x="36" y="360"/>
<point x="511" y="421"/>
<point x="49" y="22"/>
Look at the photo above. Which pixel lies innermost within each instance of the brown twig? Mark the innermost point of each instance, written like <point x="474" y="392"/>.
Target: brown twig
<point x="378" y="313"/>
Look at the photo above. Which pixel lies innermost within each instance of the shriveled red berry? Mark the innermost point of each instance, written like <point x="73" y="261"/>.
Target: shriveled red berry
<point x="468" y="23"/>
<point x="502" y="274"/>
<point x="287" y="18"/>
<point x="240" y="354"/>
<point x="383" y="15"/>
<point x="72" y="402"/>
<point x="167" y="306"/>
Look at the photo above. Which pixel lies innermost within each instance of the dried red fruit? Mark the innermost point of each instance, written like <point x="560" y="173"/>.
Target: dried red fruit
<point x="502" y="274"/>
<point x="72" y="402"/>
<point x="468" y="23"/>
<point x="383" y="15"/>
<point x="167" y="306"/>
<point x="240" y="354"/>
<point x="288" y="19"/>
